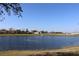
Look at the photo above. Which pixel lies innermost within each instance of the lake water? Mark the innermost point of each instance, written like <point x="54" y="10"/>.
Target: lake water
<point x="36" y="42"/>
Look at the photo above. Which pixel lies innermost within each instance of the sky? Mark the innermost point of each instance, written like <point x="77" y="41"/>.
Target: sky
<point x="49" y="17"/>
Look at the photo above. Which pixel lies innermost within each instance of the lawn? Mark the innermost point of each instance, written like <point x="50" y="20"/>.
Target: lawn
<point x="32" y="34"/>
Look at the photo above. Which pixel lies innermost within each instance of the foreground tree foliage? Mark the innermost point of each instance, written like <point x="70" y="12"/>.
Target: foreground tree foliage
<point x="9" y="8"/>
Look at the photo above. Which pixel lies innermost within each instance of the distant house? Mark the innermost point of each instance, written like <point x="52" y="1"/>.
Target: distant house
<point x="3" y="31"/>
<point x="74" y="33"/>
<point x="67" y="33"/>
<point x="36" y="32"/>
<point x="12" y="31"/>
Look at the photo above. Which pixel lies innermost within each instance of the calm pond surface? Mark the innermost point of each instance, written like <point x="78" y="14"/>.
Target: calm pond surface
<point x="36" y="42"/>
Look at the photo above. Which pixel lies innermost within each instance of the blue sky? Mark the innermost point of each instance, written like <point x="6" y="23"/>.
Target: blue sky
<point x="50" y="17"/>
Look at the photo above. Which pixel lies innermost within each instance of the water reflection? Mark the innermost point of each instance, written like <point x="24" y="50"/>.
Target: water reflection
<point x="36" y="42"/>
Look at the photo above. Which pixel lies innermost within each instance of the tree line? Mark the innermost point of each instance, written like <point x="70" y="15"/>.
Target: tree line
<point x="19" y="31"/>
<point x="26" y="31"/>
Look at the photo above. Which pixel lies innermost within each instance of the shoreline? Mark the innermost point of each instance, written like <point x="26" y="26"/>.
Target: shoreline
<point x="32" y="35"/>
<point x="36" y="35"/>
<point x="66" y="51"/>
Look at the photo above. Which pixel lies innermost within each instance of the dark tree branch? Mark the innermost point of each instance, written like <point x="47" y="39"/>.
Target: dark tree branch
<point x="10" y="8"/>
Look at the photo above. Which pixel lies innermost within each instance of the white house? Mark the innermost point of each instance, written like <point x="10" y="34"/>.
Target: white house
<point x="36" y="32"/>
<point x="74" y="33"/>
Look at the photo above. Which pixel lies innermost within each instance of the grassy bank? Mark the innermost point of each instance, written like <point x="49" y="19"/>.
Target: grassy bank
<point x="68" y="51"/>
<point x="32" y="35"/>
<point x="37" y="35"/>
